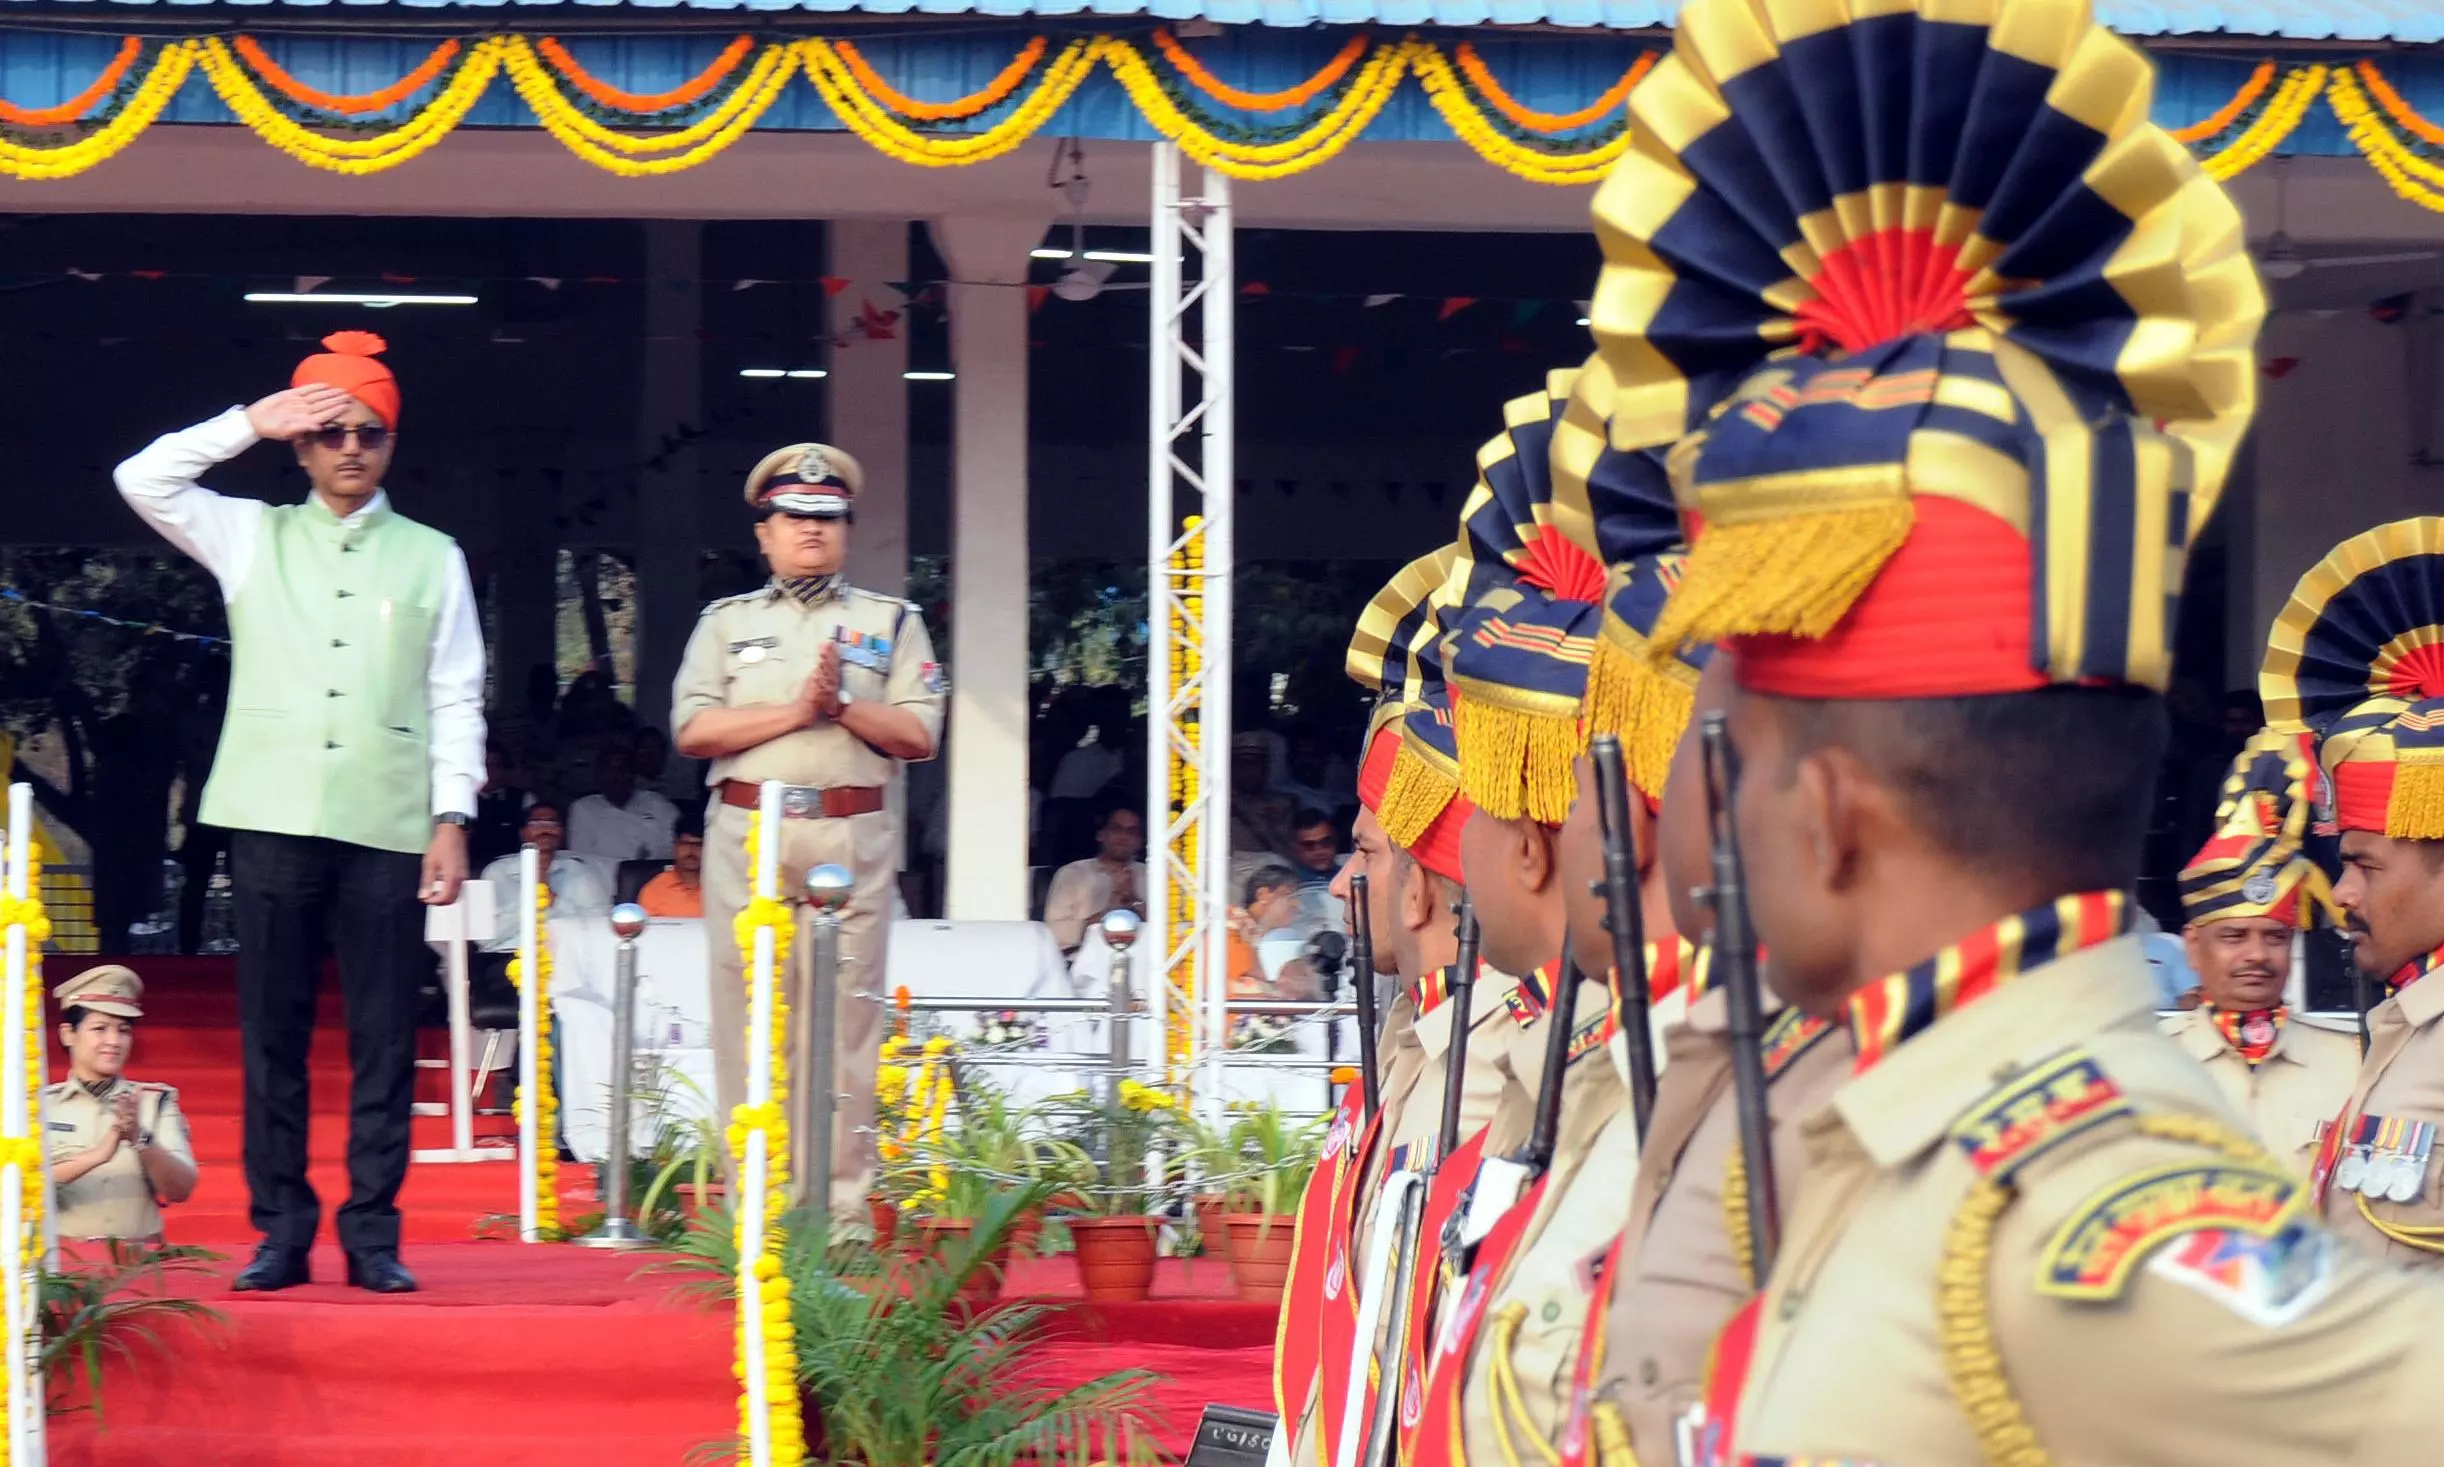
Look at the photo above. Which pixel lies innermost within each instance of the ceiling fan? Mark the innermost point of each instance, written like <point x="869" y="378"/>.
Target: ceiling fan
<point x="1083" y="276"/>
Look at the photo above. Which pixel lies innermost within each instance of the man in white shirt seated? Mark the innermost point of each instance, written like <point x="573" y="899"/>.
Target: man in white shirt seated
<point x="625" y="822"/>
<point x="578" y="886"/>
<point x="1083" y="891"/>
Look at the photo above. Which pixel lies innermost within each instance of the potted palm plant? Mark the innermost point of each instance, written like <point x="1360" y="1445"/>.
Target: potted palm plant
<point x="1276" y="1156"/>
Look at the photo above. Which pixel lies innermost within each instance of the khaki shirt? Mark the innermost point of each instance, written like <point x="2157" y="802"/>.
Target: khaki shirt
<point x="1538" y="1310"/>
<point x="762" y="647"/>
<point x="2204" y="1348"/>
<point x="115" y="1199"/>
<point x="2401" y="1080"/>
<point x="1682" y="1275"/>
<point x="2291" y="1095"/>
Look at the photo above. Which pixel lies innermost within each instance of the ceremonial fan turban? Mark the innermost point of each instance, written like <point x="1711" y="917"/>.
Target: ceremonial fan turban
<point x="1948" y="346"/>
<point x="1397" y="654"/>
<point x="2256" y="864"/>
<point x="348" y="362"/>
<point x="2357" y="659"/>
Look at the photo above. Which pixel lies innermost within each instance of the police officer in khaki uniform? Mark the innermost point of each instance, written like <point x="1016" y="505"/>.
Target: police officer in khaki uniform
<point x="829" y="689"/>
<point x="1943" y="544"/>
<point x="2349" y="662"/>
<point x="117" y="1149"/>
<point x="2247" y="894"/>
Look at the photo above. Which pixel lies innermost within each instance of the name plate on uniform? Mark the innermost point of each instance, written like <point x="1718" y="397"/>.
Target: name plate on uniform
<point x="1232" y="1436"/>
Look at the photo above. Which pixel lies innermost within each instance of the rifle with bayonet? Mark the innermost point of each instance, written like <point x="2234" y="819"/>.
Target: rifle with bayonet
<point x="1362" y="978"/>
<point x="1625" y="920"/>
<point x="1735" y="966"/>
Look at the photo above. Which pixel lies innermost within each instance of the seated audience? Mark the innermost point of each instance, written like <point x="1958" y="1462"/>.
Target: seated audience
<point x="1083" y="891"/>
<point x="1315" y="844"/>
<point x="117" y="1149"/>
<point x="679" y="892"/>
<point x="1268" y="940"/>
<point x="625" y="822"/>
<point x="579" y="888"/>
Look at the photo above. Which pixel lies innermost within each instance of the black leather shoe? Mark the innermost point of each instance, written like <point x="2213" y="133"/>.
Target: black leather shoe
<point x="380" y="1270"/>
<point x="274" y="1267"/>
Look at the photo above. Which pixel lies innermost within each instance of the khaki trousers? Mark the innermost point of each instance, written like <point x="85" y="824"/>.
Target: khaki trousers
<point x="867" y="845"/>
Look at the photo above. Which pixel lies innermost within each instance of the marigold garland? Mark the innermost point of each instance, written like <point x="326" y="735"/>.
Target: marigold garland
<point x="617" y="153"/>
<point x="2281" y="117"/>
<point x="82" y="103"/>
<point x="2396" y="108"/>
<point x="1450" y="99"/>
<point x="251" y="51"/>
<point x="1482" y="79"/>
<point x="613" y="98"/>
<point x="1230" y="96"/>
<point x="27" y="1151"/>
<point x="169" y="73"/>
<point x="355" y="156"/>
<point x="1359" y="105"/>
<point x="878" y="129"/>
<point x="546" y="1158"/>
<point x="767" y="1310"/>
<point x="993" y="93"/>
<point x="2411" y="177"/>
<point x="2229" y="112"/>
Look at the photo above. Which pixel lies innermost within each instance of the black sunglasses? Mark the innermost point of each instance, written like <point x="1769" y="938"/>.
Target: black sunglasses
<point x="369" y="437"/>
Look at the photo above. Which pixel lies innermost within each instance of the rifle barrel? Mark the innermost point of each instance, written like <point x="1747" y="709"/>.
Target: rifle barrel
<point x="1362" y="968"/>
<point x="1455" y="1060"/>
<point x="1545" y="1135"/>
<point x="1735" y="957"/>
<point x="1625" y="919"/>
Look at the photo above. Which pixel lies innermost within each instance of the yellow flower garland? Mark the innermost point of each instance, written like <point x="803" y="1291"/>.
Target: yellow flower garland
<point x="2281" y="117"/>
<point x="2410" y="176"/>
<point x="767" y="1310"/>
<point x="1357" y="108"/>
<point x="628" y="156"/>
<point x="353" y="156"/>
<point x="169" y="73"/>
<point x="26" y="1151"/>
<point x="545" y="1101"/>
<point x="1461" y="113"/>
<point x="875" y="125"/>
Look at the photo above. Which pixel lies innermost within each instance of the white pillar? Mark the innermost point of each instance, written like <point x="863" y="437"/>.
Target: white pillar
<point x="670" y="404"/>
<point x="987" y="256"/>
<point x="868" y="396"/>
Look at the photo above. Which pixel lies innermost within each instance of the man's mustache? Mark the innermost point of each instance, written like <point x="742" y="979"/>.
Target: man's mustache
<point x="2357" y="924"/>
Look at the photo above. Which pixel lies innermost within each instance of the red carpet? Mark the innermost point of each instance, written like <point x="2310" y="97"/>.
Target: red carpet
<point x="512" y="1355"/>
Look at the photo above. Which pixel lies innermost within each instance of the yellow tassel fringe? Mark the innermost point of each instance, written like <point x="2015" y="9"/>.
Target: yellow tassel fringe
<point x="1643" y="704"/>
<point x="1518" y="765"/>
<point x="2416" y="811"/>
<point x="1735" y="1215"/>
<point x="1796" y="575"/>
<point x="1415" y="795"/>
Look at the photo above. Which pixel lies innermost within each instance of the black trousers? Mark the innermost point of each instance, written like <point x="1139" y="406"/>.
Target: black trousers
<point x="296" y="897"/>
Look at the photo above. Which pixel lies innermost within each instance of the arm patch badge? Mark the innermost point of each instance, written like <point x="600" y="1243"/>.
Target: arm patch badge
<point x="2092" y="1256"/>
<point x="2040" y="1110"/>
<point x="2269" y="1281"/>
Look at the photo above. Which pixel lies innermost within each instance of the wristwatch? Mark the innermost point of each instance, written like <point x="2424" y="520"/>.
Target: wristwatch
<point x="847" y="698"/>
<point x="453" y="817"/>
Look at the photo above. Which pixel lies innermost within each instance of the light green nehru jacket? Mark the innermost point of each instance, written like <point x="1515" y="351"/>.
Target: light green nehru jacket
<point x="328" y="705"/>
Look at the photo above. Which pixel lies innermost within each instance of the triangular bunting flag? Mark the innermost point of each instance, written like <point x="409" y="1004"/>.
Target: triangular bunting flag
<point x="1255" y="287"/>
<point x="1036" y="295"/>
<point x="308" y="284"/>
<point x="548" y="282"/>
<point x="1344" y="358"/>
<point x="833" y="285"/>
<point x="1385" y="299"/>
<point x="738" y="285"/>
<point x="1453" y="305"/>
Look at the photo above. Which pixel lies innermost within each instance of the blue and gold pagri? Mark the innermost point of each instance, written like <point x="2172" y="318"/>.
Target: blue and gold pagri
<point x="1640" y="697"/>
<point x="1518" y="674"/>
<point x="2256" y="864"/>
<point x="1825" y="205"/>
<point x="1425" y="773"/>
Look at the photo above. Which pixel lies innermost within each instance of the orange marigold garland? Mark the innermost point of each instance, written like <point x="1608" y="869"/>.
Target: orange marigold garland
<point x="2229" y="112"/>
<point x="2396" y="107"/>
<point x="1481" y="79"/>
<point x="603" y="94"/>
<point x="994" y="93"/>
<point x="1281" y="101"/>
<point x="82" y="103"/>
<point x="260" y="62"/>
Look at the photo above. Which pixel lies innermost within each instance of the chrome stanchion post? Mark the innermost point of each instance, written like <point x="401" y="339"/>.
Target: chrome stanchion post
<point x="1120" y="926"/>
<point x="618" y="1230"/>
<point x="827" y="891"/>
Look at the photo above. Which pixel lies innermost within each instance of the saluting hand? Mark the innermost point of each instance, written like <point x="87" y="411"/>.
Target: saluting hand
<point x="288" y="416"/>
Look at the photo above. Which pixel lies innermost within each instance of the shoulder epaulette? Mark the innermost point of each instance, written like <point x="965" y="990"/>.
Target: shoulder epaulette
<point x="740" y="599"/>
<point x="1789" y="1036"/>
<point x="2037" y="1111"/>
<point x="1591" y="1036"/>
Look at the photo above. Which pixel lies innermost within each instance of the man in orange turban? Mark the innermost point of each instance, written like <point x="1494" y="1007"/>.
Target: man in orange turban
<point x="346" y="774"/>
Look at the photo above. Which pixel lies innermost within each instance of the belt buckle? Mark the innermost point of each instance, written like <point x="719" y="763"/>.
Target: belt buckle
<point x="801" y="801"/>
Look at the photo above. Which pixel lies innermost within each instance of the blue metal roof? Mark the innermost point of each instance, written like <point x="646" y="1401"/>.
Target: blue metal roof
<point x="2410" y="21"/>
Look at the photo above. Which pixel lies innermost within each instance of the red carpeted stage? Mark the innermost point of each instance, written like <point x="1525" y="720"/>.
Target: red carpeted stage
<point x="511" y="1354"/>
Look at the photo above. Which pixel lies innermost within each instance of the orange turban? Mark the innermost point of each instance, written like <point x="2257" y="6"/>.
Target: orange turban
<point x="349" y="365"/>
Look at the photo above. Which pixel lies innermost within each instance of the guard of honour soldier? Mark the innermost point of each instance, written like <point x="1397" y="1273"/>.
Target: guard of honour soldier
<point x="1826" y="1115"/>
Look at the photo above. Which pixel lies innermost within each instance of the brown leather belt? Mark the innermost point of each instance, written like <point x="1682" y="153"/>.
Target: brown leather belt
<point x="805" y="801"/>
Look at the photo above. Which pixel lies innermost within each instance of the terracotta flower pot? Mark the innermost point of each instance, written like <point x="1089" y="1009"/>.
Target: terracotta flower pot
<point x="943" y="1236"/>
<point x="1115" y="1257"/>
<point x="1027" y="1233"/>
<point x="886" y="1218"/>
<point x="1213" y="1208"/>
<point x="1260" y="1253"/>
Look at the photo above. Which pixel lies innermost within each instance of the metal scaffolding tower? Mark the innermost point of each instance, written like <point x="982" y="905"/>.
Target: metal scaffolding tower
<point x="1189" y="489"/>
